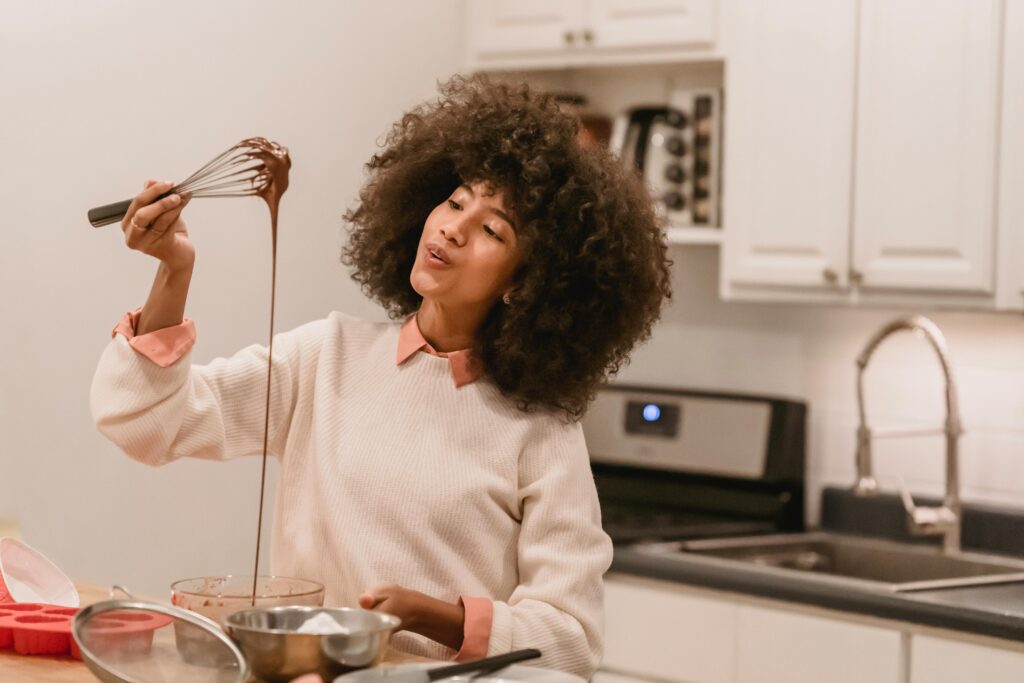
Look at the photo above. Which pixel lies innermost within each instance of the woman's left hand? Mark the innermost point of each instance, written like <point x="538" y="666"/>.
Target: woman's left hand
<point x="393" y="599"/>
<point x="420" y="613"/>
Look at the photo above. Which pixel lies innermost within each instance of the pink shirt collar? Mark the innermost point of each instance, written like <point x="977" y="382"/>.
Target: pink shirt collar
<point x="410" y="340"/>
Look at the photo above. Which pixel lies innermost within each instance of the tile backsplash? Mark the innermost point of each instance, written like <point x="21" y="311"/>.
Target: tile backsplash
<point x="809" y="352"/>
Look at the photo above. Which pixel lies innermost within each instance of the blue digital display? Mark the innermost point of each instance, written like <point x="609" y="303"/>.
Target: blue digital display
<point x="653" y="419"/>
<point x="652" y="413"/>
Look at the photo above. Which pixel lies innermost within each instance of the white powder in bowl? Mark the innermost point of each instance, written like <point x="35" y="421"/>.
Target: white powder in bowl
<point x="323" y="624"/>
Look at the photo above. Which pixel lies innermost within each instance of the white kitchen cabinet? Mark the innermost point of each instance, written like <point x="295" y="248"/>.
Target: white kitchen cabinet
<point x="788" y="145"/>
<point x="664" y="632"/>
<point x="897" y="203"/>
<point x="873" y="149"/>
<point x="1011" y="161"/>
<point x="661" y="631"/>
<point x="502" y="27"/>
<point x="927" y="98"/>
<point x="560" y="32"/>
<point x="941" y="660"/>
<point x="646" y="23"/>
<point x="667" y="632"/>
<point x="777" y="646"/>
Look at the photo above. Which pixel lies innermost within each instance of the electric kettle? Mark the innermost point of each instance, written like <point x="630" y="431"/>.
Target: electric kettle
<point x="652" y="140"/>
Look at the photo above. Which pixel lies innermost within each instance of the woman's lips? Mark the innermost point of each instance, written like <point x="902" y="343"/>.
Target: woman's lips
<point x="433" y="261"/>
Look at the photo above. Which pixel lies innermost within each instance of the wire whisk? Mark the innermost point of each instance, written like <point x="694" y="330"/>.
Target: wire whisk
<point x="244" y="170"/>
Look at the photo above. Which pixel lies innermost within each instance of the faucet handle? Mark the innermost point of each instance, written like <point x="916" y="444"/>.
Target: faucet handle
<point x="866" y="482"/>
<point x="924" y="520"/>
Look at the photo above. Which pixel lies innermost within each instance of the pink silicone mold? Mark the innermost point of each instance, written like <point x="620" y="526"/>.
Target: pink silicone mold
<point x="6" y="637"/>
<point x="37" y="629"/>
<point x="40" y="634"/>
<point x="7" y="616"/>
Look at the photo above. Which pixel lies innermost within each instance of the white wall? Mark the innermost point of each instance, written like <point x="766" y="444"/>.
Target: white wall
<point x="94" y="98"/>
<point x="809" y="352"/>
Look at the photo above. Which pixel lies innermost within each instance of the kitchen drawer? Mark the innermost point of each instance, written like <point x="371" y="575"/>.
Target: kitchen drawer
<point x="779" y="646"/>
<point x="941" y="660"/>
<point x="667" y="632"/>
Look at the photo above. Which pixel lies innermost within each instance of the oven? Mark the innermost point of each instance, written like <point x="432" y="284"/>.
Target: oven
<point x="676" y="464"/>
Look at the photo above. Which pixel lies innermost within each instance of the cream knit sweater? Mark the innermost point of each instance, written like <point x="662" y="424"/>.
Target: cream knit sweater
<point x="388" y="473"/>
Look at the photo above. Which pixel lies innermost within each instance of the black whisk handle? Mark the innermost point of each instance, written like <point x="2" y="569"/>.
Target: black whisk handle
<point x="109" y="213"/>
<point x="113" y="213"/>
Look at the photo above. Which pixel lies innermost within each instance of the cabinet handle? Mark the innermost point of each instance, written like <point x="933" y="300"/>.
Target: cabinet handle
<point x="569" y="37"/>
<point x="588" y="36"/>
<point x="856" y="277"/>
<point x="830" y="276"/>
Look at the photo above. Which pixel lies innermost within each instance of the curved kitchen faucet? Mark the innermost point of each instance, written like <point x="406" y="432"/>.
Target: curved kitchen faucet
<point x="943" y="520"/>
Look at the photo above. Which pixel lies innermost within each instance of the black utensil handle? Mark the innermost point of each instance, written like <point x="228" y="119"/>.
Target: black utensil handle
<point x="489" y="663"/>
<point x="109" y="213"/>
<point x="113" y="213"/>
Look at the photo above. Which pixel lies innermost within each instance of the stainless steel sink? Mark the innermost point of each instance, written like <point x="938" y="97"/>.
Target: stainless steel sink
<point x="866" y="562"/>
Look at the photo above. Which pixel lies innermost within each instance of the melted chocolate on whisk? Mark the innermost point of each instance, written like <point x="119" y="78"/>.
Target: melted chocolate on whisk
<point x="276" y="164"/>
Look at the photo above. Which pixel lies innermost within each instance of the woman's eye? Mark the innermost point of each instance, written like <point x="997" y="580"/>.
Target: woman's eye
<point x="454" y="204"/>
<point x="492" y="234"/>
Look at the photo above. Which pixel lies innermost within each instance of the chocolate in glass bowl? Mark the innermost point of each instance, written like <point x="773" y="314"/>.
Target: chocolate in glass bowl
<point x="216" y="597"/>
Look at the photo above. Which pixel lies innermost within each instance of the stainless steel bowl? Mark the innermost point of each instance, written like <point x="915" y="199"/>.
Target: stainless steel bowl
<point x="276" y="651"/>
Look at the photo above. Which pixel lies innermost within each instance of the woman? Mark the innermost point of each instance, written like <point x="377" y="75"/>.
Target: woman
<point x="432" y="468"/>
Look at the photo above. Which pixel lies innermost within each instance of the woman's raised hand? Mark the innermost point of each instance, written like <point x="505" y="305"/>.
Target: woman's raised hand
<point x="156" y="228"/>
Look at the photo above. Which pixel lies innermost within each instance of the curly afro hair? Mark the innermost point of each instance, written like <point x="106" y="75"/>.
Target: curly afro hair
<point x="595" y="272"/>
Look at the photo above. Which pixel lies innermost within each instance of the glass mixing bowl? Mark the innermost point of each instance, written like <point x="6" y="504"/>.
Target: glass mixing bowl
<point x="218" y="596"/>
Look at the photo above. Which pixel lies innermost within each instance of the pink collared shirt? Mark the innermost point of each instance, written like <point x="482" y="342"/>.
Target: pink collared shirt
<point x="410" y="340"/>
<point x="164" y="346"/>
<point x="168" y="345"/>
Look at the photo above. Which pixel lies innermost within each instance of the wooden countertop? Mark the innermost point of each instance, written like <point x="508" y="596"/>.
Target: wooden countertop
<point x="15" y="668"/>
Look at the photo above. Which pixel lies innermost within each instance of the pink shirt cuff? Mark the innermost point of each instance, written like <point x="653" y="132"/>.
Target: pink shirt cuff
<point x="477" y="628"/>
<point x="164" y="346"/>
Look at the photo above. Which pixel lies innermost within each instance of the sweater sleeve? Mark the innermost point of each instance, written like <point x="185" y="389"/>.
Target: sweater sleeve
<point x="158" y="414"/>
<point x="563" y="553"/>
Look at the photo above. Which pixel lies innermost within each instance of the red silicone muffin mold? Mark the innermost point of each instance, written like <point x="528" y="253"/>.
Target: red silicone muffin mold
<point x="36" y="629"/>
<point x="31" y="628"/>
<point x="41" y="634"/>
<point x="7" y="614"/>
<point x="6" y="637"/>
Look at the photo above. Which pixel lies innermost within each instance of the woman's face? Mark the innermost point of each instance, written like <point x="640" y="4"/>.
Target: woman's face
<point x="468" y="250"/>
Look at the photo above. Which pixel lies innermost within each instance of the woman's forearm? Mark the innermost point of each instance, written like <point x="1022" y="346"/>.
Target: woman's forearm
<point x="165" y="306"/>
<point x="440" y="621"/>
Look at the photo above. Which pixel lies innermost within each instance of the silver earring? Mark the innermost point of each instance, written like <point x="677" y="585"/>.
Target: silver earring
<point x="507" y="299"/>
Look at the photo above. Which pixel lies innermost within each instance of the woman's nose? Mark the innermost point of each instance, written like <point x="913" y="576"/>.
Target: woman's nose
<point x="455" y="231"/>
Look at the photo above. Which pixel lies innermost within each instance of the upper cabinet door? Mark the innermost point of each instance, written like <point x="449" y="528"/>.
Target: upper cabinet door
<point x="1011" y="162"/>
<point x="788" y="147"/>
<point x="926" y="140"/>
<point x="650" y="23"/>
<point x="498" y="27"/>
